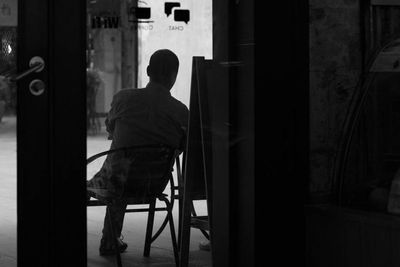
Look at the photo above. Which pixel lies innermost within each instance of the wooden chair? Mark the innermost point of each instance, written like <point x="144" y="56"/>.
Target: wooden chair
<point x="147" y="173"/>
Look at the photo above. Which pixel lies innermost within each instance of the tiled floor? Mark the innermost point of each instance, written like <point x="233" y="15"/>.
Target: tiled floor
<point x="134" y="225"/>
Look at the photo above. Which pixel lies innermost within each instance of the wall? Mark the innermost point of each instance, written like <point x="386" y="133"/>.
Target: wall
<point x="186" y="40"/>
<point x="335" y="65"/>
<point x="107" y="61"/>
<point x="193" y="38"/>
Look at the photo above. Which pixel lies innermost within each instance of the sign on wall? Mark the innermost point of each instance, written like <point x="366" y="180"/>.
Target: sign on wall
<point x="107" y="15"/>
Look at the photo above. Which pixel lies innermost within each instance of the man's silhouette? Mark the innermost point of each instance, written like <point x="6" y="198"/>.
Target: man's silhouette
<point x="140" y="117"/>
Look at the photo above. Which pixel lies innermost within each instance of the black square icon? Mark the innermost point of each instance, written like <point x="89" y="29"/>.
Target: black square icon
<point x="182" y="15"/>
<point x="168" y="6"/>
<point x="140" y="12"/>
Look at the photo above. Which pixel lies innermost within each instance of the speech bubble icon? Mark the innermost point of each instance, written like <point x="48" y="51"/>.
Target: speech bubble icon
<point x="182" y="15"/>
<point x="140" y="12"/>
<point x="168" y="6"/>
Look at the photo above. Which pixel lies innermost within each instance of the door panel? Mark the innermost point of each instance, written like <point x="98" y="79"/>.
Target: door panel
<point x="33" y="174"/>
<point x="68" y="127"/>
<point x="51" y="136"/>
<point x="51" y="131"/>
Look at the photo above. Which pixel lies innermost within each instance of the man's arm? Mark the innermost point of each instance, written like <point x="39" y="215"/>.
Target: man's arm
<point x="112" y="116"/>
<point x="184" y="120"/>
<point x="110" y="124"/>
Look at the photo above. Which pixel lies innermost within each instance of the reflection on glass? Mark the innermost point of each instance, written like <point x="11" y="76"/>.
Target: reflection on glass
<point x="374" y="153"/>
<point x="8" y="142"/>
<point x="121" y="37"/>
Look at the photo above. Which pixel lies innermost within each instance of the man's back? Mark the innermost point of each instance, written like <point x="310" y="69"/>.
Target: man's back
<point x="146" y="116"/>
<point x="139" y="117"/>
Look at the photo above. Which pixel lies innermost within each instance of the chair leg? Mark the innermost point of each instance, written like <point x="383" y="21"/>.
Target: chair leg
<point x="111" y="225"/>
<point x="173" y="236"/>
<point x="172" y="229"/>
<point x="180" y="203"/>
<point x="149" y="229"/>
<point x="158" y="233"/>
<point x="185" y="235"/>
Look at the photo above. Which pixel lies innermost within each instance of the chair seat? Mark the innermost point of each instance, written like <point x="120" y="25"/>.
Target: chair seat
<point x="104" y="197"/>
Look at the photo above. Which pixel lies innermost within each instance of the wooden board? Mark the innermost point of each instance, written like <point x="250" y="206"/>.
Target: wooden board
<point x="206" y="172"/>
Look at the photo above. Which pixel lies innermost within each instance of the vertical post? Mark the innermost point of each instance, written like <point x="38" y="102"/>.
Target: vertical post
<point x="378" y="26"/>
<point x="184" y="238"/>
<point x="149" y="229"/>
<point x="33" y="149"/>
<point x="129" y="48"/>
<point x="192" y="162"/>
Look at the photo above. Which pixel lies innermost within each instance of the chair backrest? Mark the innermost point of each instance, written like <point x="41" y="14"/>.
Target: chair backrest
<point x="141" y="171"/>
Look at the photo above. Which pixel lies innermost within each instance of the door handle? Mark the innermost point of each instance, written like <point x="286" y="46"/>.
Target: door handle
<point x="36" y="64"/>
<point x="37" y="87"/>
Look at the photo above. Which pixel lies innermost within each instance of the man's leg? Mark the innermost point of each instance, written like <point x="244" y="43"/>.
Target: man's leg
<point x="117" y="213"/>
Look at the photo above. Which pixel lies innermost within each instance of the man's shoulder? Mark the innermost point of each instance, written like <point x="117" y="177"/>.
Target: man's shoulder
<point x="179" y="104"/>
<point x="126" y="92"/>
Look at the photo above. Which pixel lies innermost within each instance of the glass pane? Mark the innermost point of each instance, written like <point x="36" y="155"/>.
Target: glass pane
<point x="371" y="171"/>
<point x="121" y="37"/>
<point x="8" y="121"/>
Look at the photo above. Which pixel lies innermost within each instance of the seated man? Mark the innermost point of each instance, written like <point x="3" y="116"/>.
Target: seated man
<point x="140" y="117"/>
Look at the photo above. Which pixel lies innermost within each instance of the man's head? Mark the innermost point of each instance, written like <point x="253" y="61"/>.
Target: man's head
<point x="163" y="68"/>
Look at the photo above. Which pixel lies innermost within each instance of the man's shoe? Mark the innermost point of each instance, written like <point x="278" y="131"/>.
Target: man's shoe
<point x="107" y="249"/>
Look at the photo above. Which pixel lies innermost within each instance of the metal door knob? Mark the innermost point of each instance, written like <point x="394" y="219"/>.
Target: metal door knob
<point x="36" y="64"/>
<point x="37" y="87"/>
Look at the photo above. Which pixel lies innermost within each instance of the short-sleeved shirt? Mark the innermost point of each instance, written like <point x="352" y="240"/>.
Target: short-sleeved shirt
<point x="146" y="116"/>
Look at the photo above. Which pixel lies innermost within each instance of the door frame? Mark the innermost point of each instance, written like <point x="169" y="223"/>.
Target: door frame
<point x="51" y="135"/>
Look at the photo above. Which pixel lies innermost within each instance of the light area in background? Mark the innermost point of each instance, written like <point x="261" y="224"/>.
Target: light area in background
<point x="8" y="12"/>
<point x="194" y="40"/>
